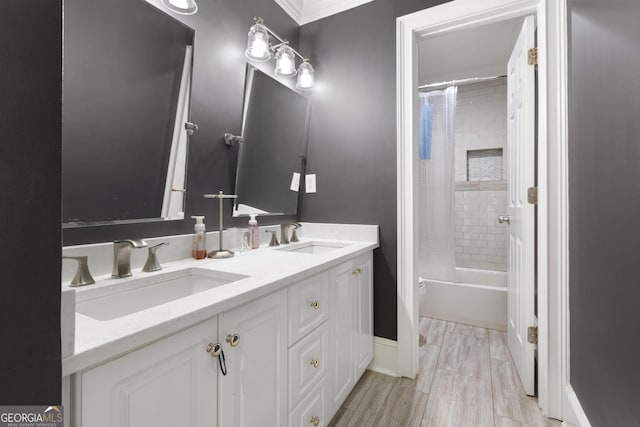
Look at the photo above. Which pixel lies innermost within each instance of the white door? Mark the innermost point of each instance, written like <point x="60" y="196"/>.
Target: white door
<point x="521" y="146"/>
<point x="172" y="382"/>
<point x="254" y="391"/>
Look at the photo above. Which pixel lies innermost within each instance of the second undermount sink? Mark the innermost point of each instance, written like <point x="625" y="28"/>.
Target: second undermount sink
<point x="136" y="295"/>
<point x="313" y="247"/>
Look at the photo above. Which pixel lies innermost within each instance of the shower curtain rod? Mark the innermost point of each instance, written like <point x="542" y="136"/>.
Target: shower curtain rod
<point x="432" y="86"/>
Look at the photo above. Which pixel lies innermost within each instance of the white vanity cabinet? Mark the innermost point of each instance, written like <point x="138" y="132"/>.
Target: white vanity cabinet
<point x="254" y="339"/>
<point x="172" y="382"/>
<point x="362" y="284"/>
<point x="309" y="308"/>
<point x="292" y="358"/>
<point x="350" y="325"/>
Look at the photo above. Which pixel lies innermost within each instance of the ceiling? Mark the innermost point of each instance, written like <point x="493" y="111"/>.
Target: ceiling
<point x="477" y="52"/>
<point x="305" y="11"/>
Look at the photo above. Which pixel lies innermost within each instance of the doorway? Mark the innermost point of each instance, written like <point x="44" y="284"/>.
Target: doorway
<point x="453" y="18"/>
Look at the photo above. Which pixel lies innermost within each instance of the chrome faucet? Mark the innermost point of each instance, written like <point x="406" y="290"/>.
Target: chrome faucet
<point x="122" y="256"/>
<point x="83" y="276"/>
<point x="152" y="263"/>
<point x="274" y="238"/>
<point x="284" y="236"/>
<point x="294" y="234"/>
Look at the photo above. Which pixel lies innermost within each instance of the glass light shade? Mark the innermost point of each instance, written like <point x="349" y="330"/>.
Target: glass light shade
<point x="306" y="77"/>
<point x="183" y="7"/>
<point x="258" y="44"/>
<point x="285" y="62"/>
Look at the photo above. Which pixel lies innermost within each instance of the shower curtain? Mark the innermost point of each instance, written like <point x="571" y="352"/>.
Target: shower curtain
<point x="436" y="216"/>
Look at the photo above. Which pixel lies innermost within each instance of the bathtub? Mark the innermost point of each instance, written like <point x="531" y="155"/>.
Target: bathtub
<point x="478" y="297"/>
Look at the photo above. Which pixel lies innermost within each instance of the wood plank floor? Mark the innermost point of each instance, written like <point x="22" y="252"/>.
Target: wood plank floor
<point x="466" y="379"/>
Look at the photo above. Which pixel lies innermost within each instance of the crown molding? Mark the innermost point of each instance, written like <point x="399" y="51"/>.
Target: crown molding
<point x="317" y="9"/>
<point x="305" y="11"/>
<point x="293" y="8"/>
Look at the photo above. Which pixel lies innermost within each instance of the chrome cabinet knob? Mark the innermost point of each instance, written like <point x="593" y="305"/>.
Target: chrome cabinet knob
<point x="315" y="420"/>
<point x="504" y="219"/>
<point x="315" y="363"/>
<point x="214" y="349"/>
<point x="357" y="271"/>
<point x="315" y="305"/>
<point x="233" y="340"/>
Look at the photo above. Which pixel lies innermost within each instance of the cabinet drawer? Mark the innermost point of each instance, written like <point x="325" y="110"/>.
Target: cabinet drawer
<point x="308" y="306"/>
<point x="308" y="363"/>
<point x="313" y="410"/>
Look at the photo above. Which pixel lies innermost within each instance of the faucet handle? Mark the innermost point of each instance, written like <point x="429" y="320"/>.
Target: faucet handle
<point x="274" y="239"/>
<point x="152" y="263"/>
<point x="294" y="234"/>
<point x="83" y="275"/>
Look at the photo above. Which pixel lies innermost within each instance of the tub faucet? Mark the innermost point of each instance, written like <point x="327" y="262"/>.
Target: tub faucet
<point x="122" y="256"/>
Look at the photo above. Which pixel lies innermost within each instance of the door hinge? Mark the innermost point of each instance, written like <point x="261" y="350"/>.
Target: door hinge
<point x="533" y="56"/>
<point x="532" y="195"/>
<point x="532" y="334"/>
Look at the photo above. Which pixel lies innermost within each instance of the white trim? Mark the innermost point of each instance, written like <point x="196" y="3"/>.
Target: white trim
<point x="318" y="9"/>
<point x="385" y="356"/>
<point x="554" y="286"/>
<point x="575" y="414"/>
<point x="407" y="276"/>
<point x="553" y="202"/>
<point x="293" y="8"/>
<point x="305" y="11"/>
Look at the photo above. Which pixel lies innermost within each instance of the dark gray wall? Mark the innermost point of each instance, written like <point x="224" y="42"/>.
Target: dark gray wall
<point x="123" y="66"/>
<point x="217" y="96"/>
<point x="30" y="151"/>
<point x="352" y="136"/>
<point x="604" y="158"/>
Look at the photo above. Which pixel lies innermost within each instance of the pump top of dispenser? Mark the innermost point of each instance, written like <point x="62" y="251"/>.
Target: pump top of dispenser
<point x="253" y="220"/>
<point x="199" y="226"/>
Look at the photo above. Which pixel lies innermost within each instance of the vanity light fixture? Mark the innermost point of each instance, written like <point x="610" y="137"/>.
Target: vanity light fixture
<point x="183" y="7"/>
<point x="260" y="49"/>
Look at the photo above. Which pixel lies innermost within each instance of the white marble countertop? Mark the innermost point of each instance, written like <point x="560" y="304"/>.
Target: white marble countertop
<point x="269" y="269"/>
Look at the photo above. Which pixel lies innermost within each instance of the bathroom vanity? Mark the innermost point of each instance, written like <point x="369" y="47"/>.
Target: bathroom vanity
<point x="293" y="322"/>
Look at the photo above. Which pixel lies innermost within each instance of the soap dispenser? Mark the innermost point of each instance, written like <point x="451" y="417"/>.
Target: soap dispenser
<point x="254" y="233"/>
<point x="199" y="250"/>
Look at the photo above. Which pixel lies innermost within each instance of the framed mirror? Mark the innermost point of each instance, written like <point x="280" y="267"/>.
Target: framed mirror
<point x="126" y="98"/>
<point x="274" y="130"/>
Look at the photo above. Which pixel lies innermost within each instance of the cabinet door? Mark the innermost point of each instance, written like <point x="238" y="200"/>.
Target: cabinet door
<point x="341" y="322"/>
<point x="170" y="383"/>
<point x="363" y="292"/>
<point x="254" y="391"/>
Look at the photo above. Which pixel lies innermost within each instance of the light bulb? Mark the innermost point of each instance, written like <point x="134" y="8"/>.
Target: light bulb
<point x="306" y="77"/>
<point x="258" y="44"/>
<point x="285" y="62"/>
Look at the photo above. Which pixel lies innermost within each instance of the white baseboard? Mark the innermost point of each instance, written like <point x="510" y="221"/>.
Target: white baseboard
<point x="385" y="357"/>
<point x="574" y="414"/>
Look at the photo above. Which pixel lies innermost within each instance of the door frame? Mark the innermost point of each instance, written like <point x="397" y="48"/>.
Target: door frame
<point x="552" y="226"/>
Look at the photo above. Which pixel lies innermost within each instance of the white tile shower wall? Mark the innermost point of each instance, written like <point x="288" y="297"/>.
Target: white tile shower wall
<point x="481" y="123"/>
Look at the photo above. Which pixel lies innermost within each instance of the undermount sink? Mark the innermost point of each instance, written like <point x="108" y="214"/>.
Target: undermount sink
<point x="136" y="295"/>
<point x="314" y="247"/>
